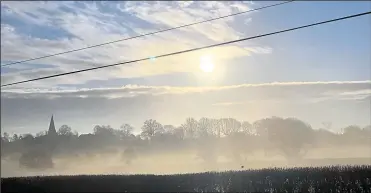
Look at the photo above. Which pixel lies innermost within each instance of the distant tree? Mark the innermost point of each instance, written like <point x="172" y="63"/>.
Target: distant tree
<point x="169" y="128"/>
<point x="86" y="141"/>
<point x="27" y="136"/>
<point x="324" y="137"/>
<point x="237" y="146"/>
<point x="215" y="128"/>
<point x="75" y="133"/>
<point x="190" y="128"/>
<point x="15" y="137"/>
<point x="247" y="128"/>
<point x="65" y="130"/>
<point x="150" y="128"/>
<point x="178" y="133"/>
<point x="41" y="133"/>
<point x="289" y="135"/>
<point x="205" y="127"/>
<point x="126" y="130"/>
<point x="105" y="135"/>
<point x="5" y="137"/>
<point x="229" y="126"/>
<point x="352" y="130"/>
<point x="103" y="130"/>
<point x="355" y="134"/>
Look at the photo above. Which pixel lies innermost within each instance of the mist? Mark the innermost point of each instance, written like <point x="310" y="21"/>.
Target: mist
<point x="195" y="146"/>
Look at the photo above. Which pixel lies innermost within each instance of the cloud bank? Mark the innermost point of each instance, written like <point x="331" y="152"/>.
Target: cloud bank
<point x="345" y="102"/>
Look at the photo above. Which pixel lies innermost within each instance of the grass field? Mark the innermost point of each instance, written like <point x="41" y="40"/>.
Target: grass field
<point x="300" y="179"/>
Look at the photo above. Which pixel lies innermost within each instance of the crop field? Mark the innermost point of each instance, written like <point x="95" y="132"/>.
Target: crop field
<point x="299" y="179"/>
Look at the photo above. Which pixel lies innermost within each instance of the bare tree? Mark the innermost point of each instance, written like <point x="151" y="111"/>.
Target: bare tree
<point x="205" y="127"/>
<point x="151" y="128"/>
<point x="247" y="128"/>
<point x="229" y="126"/>
<point x="190" y="128"/>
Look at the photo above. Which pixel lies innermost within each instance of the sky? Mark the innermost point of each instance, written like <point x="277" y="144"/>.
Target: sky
<point x="319" y="74"/>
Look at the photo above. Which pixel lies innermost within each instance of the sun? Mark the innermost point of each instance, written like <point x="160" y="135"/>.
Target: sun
<point x="206" y="64"/>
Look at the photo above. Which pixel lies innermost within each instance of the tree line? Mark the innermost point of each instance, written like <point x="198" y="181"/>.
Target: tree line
<point x="210" y="138"/>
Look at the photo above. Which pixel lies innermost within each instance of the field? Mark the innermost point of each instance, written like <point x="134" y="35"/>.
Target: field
<point x="300" y="179"/>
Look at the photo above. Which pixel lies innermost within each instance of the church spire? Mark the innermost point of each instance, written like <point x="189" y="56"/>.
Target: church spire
<point x="52" y="130"/>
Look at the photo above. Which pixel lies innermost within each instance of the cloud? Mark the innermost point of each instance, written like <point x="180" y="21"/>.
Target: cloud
<point x="314" y="102"/>
<point x="275" y="90"/>
<point x="88" y="23"/>
<point x="34" y="29"/>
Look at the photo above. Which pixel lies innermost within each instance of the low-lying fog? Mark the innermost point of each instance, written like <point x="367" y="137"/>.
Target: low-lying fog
<point x="185" y="161"/>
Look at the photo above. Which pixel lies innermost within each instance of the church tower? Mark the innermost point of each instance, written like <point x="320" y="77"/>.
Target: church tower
<point x="52" y="131"/>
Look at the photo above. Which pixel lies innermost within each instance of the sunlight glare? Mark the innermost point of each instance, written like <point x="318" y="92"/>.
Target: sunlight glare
<point x="206" y="64"/>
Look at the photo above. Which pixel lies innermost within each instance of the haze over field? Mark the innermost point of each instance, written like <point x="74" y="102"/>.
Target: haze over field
<point x="195" y="146"/>
<point x="180" y="162"/>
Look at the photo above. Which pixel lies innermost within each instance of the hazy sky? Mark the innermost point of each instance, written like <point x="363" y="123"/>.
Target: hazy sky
<point x="316" y="74"/>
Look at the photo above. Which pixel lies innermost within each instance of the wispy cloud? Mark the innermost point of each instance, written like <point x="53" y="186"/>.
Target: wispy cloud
<point x="270" y="90"/>
<point x="82" y="24"/>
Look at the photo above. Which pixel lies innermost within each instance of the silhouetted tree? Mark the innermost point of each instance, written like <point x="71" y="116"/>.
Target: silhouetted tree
<point x="190" y="128"/>
<point x="5" y="137"/>
<point x="27" y="140"/>
<point x="355" y="135"/>
<point x="178" y="133"/>
<point x="151" y="128"/>
<point x="229" y="126"/>
<point x="104" y="132"/>
<point x="352" y="130"/>
<point x="15" y="137"/>
<point x="289" y="135"/>
<point x="210" y="138"/>
<point x="41" y="133"/>
<point x="174" y="132"/>
<point x="324" y="137"/>
<point x="65" y="130"/>
<point x="206" y="127"/>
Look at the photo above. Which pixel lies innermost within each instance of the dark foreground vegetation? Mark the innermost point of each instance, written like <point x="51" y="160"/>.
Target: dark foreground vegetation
<point x="319" y="179"/>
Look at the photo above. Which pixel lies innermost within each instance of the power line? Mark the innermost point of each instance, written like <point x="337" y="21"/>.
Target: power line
<point x="190" y="50"/>
<point x="147" y="34"/>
